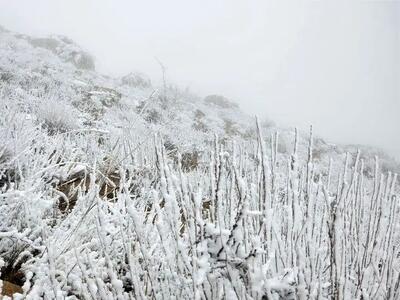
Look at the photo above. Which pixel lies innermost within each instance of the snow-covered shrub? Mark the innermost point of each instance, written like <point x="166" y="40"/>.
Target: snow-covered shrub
<point x="237" y="228"/>
<point x="220" y="101"/>
<point x="231" y="128"/>
<point x="199" y="123"/>
<point x="137" y="80"/>
<point x="16" y="134"/>
<point x="105" y="96"/>
<point x="95" y="100"/>
<point x="190" y="160"/>
<point x="56" y="116"/>
<point x="5" y="76"/>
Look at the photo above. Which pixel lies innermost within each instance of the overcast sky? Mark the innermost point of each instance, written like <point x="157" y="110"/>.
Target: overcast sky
<point x="333" y="64"/>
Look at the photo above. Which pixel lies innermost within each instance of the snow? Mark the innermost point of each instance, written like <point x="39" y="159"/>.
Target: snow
<point x="252" y="218"/>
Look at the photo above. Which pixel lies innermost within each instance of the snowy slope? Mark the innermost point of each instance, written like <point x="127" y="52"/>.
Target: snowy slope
<point x="36" y="68"/>
<point x="179" y="204"/>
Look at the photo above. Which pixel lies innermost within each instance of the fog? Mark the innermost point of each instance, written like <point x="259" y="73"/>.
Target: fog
<point x="331" y="64"/>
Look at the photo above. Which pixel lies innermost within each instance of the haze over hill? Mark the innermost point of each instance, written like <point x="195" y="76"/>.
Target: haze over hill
<point x="331" y="64"/>
<point x="119" y="187"/>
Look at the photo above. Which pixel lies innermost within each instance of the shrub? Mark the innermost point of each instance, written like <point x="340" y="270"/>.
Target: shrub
<point x="199" y="124"/>
<point x="231" y="128"/>
<point x="250" y="225"/>
<point x="153" y="116"/>
<point x="190" y="161"/>
<point x="56" y="117"/>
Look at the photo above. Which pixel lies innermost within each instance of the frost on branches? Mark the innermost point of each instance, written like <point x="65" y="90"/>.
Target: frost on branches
<point x="114" y="189"/>
<point x="88" y="220"/>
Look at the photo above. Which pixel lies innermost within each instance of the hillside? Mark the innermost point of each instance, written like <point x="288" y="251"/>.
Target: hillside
<point x="118" y="188"/>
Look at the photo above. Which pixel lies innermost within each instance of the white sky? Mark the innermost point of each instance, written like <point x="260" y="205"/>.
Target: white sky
<point x="333" y="64"/>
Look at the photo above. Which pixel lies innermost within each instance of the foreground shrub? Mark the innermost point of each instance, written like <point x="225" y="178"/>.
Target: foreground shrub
<point x="56" y="116"/>
<point x="242" y="227"/>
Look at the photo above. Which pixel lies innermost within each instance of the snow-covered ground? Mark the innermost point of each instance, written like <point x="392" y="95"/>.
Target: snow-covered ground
<point x="117" y="188"/>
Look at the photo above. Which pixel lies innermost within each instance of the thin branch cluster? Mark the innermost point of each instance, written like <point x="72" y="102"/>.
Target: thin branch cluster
<point x="87" y="220"/>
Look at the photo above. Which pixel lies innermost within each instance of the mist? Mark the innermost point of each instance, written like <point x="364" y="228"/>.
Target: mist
<point x="334" y="65"/>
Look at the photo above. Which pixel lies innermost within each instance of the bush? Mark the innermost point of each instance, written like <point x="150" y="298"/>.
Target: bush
<point x="8" y="173"/>
<point x="153" y="116"/>
<point x="199" y="124"/>
<point x="231" y="128"/>
<point x="56" y="117"/>
<point x="190" y="161"/>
